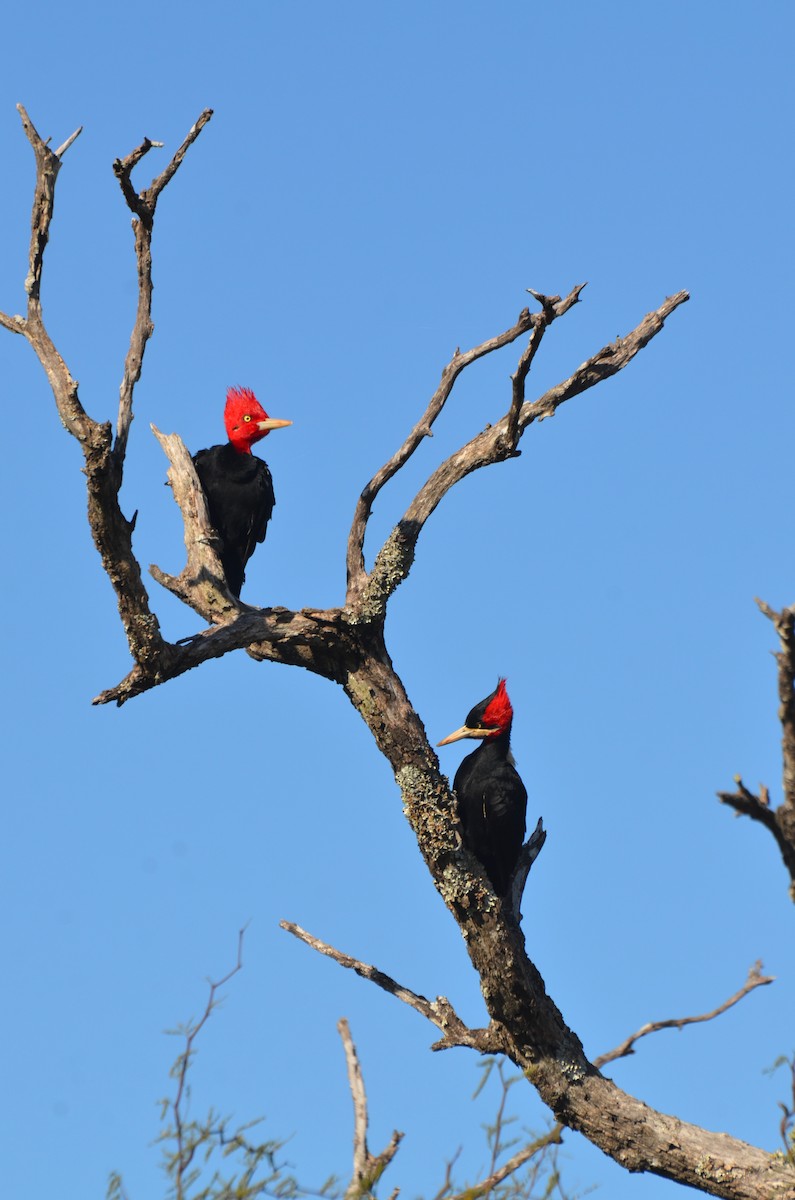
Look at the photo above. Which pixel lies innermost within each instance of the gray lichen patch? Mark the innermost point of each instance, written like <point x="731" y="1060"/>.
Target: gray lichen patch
<point x="391" y="567"/>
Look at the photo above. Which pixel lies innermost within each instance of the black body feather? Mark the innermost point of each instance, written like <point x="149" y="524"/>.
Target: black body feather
<point x="239" y="491"/>
<point x="492" y="800"/>
<point x="492" y="806"/>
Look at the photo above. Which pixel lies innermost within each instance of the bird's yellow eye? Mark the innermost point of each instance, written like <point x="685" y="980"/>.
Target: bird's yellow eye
<point x="247" y="418"/>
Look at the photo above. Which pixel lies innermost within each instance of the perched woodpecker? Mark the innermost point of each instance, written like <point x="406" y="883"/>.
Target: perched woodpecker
<point x="237" y="484"/>
<point x="492" y="800"/>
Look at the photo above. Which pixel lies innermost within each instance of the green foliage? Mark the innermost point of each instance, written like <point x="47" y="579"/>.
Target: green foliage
<point x="520" y="1165"/>
<point x="210" y="1158"/>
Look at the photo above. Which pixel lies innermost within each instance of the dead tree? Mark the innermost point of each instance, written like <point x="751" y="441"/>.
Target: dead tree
<point x="347" y="644"/>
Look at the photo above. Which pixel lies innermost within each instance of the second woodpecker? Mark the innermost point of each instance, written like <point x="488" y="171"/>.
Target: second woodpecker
<point x="492" y="800"/>
<point x="237" y="484"/>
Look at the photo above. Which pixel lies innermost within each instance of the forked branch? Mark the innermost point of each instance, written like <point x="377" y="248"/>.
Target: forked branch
<point x="142" y="205"/>
<point x="526" y="321"/>
<point x="367" y="1167"/>
<point x="755" y="979"/>
<point x="494" y="444"/>
<point x="201" y="582"/>
<point x="104" y="462"/>
<point x="31" y="326"/>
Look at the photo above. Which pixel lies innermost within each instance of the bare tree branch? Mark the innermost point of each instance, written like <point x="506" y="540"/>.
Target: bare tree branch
<point x="201" y="582"/>
<point x="439" y="1012"/>
<point x="367" y="1168"/>
<point x="537" y="322"/>
<point x="311" y="638"/>
<point x="755" y="979"/>
<point x="780" y="821"/>
<point x="104" y="464"/>
<point x="359" y="1096"/>
<point x="495" y="444"/>
<point x="59" y="153"/>
<point x="12" y="324"/>
<point x="143" y="205"/>
<point x="48" y="164"/>
<point x="552" y="307"/>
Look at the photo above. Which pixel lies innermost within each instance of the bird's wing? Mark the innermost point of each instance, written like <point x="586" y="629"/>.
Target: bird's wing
<point x="261" y="508"/>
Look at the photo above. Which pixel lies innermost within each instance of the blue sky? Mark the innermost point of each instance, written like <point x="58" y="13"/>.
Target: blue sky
<point x="379" y="184"/>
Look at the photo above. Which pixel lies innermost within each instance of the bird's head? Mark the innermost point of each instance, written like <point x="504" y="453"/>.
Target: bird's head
<point x="246" y="420"/>
<point x="488" y="719"/>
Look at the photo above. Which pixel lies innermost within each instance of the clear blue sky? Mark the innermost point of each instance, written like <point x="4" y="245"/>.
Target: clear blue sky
<point x="379" y="184"/>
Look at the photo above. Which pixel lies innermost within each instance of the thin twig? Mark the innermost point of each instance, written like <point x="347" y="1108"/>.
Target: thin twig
<point x="439" y="1012"/>
<point x="165" y="176"/>
<point x="552" y="307"/>
<point x="499" y="1121"/>
<point x="447" y="1183"/>
<point x="787" y="1123"/>
<point x="184" y="1156"/>
<point x="59" y="153"/>
<point x="755" y="979"/>
<point x="476" y="1190"/>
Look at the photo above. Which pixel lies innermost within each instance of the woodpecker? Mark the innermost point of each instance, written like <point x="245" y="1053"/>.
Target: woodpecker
<point x="492" y="800"/>
<point x="238" y="485"/>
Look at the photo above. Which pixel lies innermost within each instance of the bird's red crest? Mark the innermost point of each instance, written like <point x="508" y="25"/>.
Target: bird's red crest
<point x="241" y="414"/>
<point x="499" y="711"/>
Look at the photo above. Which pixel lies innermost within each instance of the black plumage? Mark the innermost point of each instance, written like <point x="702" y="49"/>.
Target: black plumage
<point x="240" y="499"/>
<point x="237" y="484"/>
<point x="492" y="800"/>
